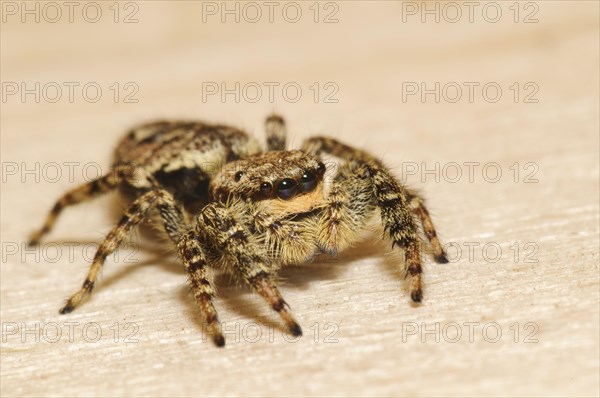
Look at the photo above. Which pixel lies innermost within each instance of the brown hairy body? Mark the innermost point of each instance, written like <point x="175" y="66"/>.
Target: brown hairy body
<point x="228" y="206"/>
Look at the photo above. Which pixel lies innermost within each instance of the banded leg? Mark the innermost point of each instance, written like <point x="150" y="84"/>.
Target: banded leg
<point x="417" y="205"/>
<point x="276" y="133"/>
<point x="84" y="193"/>
<point x="389" y="196"/>
<point x="132" y="218"/>
<point x="200" y="280"/>
<point x="246" y="256"/>
<point x="80" y="194"/>
<point x="318" y="145"/>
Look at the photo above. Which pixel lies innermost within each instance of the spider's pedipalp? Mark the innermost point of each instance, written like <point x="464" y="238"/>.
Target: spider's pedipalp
<point x="347" y="209"/>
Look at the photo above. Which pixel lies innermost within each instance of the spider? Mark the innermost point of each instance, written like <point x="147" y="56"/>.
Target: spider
<point x="227" y="205"/>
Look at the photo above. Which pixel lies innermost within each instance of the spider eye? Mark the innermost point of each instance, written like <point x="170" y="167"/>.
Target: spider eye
<point x="239" y="175"/>
<point x="266" y="188"/>
<point x="308" y="181"/>
<point x="321" y="168"/>
<point x="287" y="188"/>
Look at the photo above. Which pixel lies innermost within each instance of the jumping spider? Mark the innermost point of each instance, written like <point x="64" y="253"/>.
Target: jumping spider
<point x="229" y="206"/>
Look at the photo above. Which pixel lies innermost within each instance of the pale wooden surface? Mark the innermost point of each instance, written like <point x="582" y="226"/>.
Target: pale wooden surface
<point x="368" y="54"/>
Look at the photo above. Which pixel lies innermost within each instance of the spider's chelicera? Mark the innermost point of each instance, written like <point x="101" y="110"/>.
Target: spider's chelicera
<point x="229" y="206"/>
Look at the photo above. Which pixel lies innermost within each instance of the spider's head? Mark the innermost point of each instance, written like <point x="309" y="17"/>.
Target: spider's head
<point x="283" y="177"/>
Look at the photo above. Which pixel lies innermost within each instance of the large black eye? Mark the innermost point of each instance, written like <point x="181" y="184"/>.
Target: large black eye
<point x="239" y="175"/>
<point x="308" y="181"/>
<point x="321" y="168"/>
<point x="266" y="188"/>
<point x="287" y="188"/>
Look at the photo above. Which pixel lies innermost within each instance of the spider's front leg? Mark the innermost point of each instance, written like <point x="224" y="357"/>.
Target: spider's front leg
<point x="200" y="278"/>
<point x="173" y="223"/>
<point x="230" y="238"/>
<point x="363" y="183"/>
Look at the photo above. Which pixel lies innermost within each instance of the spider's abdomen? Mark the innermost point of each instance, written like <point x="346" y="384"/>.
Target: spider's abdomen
<point x="183" y="156"/>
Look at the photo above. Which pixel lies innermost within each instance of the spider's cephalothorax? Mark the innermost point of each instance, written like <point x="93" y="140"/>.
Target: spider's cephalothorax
<point x="227" y="205"/>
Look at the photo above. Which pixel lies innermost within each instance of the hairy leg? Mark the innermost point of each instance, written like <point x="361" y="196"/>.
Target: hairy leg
<point x="318" y="145"/>
<point x="218" y="224"/>
<point x="80" y="194"/>
<point x="386" y="193"/>
<point x="276" y="133"/>
<point x="139" y="209"/>
<point x="417" y="204"/>
<point x="200" y="280"/>
<point x="91" y="190"/>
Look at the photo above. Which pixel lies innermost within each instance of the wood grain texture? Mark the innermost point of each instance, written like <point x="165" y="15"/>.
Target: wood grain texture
<point x="380" y="347"/>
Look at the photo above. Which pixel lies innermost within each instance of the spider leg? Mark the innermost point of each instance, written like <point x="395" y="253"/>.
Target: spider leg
<point x="318" y="145"/>
<point x="77" y="195"/>
<point x="276" y="133"/>
<point x="386" y="193"/>
<point x="89" y="191"/>
<point x="417" y="204"/>
<point x="200" y="280"/>
<point x="246" y="257"/>
<point x="172" y="220"/>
